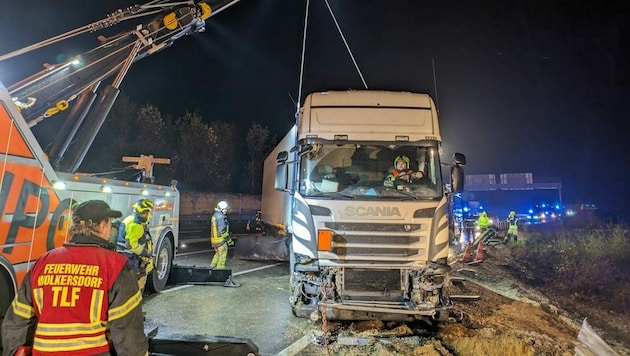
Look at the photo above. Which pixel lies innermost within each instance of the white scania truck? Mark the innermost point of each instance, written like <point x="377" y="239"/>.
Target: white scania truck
<point x="362" y="245"/>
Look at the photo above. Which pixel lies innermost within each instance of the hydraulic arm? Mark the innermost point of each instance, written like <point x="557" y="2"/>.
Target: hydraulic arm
<point x="53" y="89"/>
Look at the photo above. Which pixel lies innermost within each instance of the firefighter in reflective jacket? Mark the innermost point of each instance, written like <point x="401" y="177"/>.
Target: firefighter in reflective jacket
<point x="512" y="221"/>
<point x="483" y="222"/>
<point x="220" y="235"/>
<point x="134" y="240"/>
<point x="80" y="298"/>
<point x="402" y="171"/>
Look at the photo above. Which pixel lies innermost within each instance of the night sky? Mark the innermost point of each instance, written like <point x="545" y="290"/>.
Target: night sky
<point x="522" y="86"/>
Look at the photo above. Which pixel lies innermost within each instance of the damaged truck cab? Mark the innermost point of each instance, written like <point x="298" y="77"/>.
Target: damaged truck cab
<point x="365" y="242"/>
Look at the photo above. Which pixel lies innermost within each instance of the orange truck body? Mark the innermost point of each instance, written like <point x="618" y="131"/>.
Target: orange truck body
<point x="35" y="214"/>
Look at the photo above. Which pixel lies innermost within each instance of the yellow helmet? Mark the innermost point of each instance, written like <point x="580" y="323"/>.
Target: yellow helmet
<point x="401" y="158"/>
<point x="512" y="213"/>
<point x="143" y="205"/>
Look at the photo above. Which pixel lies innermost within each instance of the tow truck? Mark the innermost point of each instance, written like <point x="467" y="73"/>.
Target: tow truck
<point x="38" y="187"/>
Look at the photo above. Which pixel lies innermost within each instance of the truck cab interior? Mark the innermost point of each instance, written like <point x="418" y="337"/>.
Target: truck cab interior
<point x="362" y="170"/>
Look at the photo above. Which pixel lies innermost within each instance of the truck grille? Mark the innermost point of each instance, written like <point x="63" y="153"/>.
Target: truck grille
<point x="370" y="280"/>
<point x="368" y="240"/>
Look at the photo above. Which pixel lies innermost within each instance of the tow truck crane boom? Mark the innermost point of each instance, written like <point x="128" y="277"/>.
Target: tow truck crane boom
<point x="51" y="91"/>
<point x="37" y="196"/>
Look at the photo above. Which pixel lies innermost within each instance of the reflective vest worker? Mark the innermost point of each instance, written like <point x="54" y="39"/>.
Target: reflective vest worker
<point x="483" y="222"/>
<point x="402" y="172"/>
<point x="134" y="240"/>
<point x="220" y="235"/>
<point x="512" y="226"/>
<point x="80" y="298"/>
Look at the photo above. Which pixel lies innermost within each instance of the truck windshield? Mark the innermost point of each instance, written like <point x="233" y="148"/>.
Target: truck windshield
<point x="371" y="172"/>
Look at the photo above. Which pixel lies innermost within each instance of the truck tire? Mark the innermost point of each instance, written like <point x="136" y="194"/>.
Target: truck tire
<point x="163" y="264"/>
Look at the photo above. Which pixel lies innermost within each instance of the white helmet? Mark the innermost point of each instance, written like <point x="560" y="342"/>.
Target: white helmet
<point x="222" y="205"/>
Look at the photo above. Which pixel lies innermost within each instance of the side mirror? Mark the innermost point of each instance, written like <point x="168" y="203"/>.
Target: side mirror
<point x="459" y="159"/>
<point x="457" y="179"/>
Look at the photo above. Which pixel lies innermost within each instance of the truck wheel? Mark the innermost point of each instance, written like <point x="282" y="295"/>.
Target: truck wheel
<point x="163" y="263"/>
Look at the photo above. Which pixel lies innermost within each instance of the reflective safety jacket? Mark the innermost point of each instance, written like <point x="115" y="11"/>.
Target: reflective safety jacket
<point x="132" y="236"/>
<point x="79" y="298"/>
<point x="512" y="222"/>
<point x="219" y="229"/>
<point x="483" y="221"/>
<point x="396" y="173"/>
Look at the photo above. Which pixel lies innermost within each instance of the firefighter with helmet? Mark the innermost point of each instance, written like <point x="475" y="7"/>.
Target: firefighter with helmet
<point x="512" y="221"/>
<point x="80" y="298"/>
<point x="402" y="172"/>
<point x="220" y="235"/>
<point x="134" y="240"/>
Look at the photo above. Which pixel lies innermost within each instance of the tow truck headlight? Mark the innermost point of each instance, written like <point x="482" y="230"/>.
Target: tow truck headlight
<point x="59" y="185"/>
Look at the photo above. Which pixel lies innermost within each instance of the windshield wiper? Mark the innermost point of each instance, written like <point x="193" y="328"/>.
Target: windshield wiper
<point x="331" y="195"/>
<point x="405" y="193"/>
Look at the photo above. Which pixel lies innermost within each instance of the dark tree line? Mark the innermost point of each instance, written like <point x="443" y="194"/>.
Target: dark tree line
<point x="206" y="155"/>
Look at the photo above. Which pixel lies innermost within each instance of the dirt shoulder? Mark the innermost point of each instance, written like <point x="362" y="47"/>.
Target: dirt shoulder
<point x="509" y="318"/>
<point x="501" y="274"/>
<point x="512" y="316"/>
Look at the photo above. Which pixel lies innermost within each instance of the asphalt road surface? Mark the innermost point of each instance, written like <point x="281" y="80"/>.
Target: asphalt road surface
<point x="259" y="309"/>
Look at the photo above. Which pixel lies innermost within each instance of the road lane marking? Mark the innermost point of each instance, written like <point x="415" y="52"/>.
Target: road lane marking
<point x="296" y="347"/>
<point x="192" y="253"/>
<point x="233" y="274"/>
<point x="257" y="269"/>
<point x="176" y="288"/>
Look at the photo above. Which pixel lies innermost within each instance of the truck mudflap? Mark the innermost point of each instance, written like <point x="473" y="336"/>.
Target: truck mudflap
<point x="259" y="247"/>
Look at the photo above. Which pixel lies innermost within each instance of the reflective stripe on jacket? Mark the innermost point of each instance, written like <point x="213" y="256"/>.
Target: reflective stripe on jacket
<point x="397" y="173"/>
<point x="131" y="235"/>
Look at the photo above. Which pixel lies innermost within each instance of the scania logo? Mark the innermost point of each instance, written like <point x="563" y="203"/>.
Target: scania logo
<point x="371" y="211"/>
